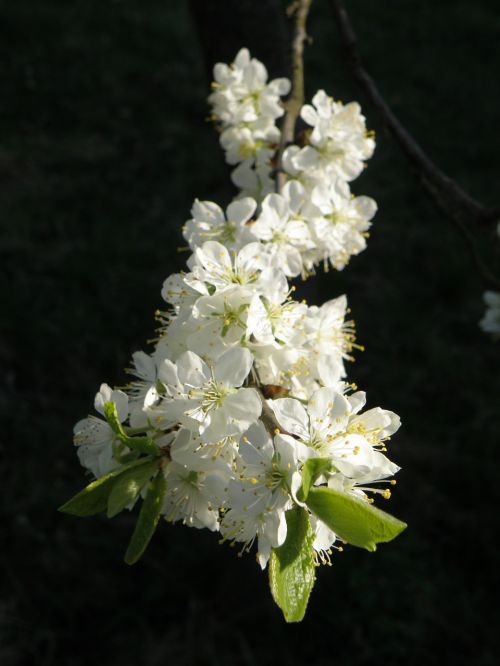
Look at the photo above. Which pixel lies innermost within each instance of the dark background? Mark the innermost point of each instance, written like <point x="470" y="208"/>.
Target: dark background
<point x="104" y="145"/>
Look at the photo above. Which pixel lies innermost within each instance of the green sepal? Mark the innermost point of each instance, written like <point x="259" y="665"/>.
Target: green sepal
<point x="148" y="519"/>
<point x="141" y="444"/>
<point x="291" y="566"/>
<point x="94" y="498"/>
<point x="352" y="519"/>
<point x="128" y="486"/>
<point x="312" y="470"/>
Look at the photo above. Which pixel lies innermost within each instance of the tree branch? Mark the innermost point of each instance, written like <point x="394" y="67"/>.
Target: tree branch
<point x="454" y="200"/>
<point x="300" y="10"/>
<point x="488" y="277"/>
<point x="267" y="416"/>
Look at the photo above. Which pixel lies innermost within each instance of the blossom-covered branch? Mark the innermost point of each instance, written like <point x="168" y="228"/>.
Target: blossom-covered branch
<point x="241" y="419"/>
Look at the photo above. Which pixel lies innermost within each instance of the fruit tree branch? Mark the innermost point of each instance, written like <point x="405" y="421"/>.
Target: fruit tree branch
<point x="299" y="10"/>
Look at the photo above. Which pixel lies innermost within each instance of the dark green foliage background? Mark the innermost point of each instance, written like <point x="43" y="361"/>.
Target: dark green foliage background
<point x="104" y="146"/>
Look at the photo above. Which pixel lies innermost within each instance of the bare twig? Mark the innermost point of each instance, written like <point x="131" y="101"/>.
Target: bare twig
<point x="455" y="201"/>
<point x="300" y="10"/>
<point x="453" y="215"/>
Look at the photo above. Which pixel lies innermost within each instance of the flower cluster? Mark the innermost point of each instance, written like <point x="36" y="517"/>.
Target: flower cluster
<point x="315" y="219"/>
<point x="242" y="412"/>
<point x="245" y="107"/>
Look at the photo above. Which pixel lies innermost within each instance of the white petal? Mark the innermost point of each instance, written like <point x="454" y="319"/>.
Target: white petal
<point x="357" y="401"/>
<point x="145" y="366"/>
<point x="121" y="401"/>
<point x="291" y="416"/>
<point x="102" y="397"/>
<point x="233" y="366"/>
<point x="192" y="370"/>
<point x="309" y="115"/>
<point x="329" y="410"/>
<point x="213" y="255"/>
<point x="241" y="211"/>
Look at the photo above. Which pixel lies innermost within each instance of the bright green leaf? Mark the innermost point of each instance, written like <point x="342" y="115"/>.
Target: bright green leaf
<point x="141" y="444"/>
<point x="148" y="519"/>
<point x="127" y="487"/>
<point x="291" y="567"/>
<point x="94" y="498"/>
<point x="352" y="519"/>
<point x="312" y="470"/>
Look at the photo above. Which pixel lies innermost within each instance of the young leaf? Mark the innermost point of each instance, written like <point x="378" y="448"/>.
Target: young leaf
<point x="352" y="519"/>
<point x="313" y="468"/>
<point x="94" y="498"/>
<point x="291" y="567"/>
<point x="148" y="519"/>
<point x="127" y="487"/>
<point x="141" y="444"/>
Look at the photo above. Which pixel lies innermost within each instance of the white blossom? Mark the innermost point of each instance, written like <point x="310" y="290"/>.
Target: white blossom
<point x="286" y="235"/>
<point x="94" y="438"/>
<point x="331" y="426"/>
<point x="490" y="323"/>
<point x="339" y="143"/>
<point x="208" y="222"/>
<point x="210" y="398"/>
<point x="242" y="93"/>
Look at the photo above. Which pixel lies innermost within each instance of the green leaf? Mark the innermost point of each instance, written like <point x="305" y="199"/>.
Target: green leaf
<point x="148" y="519"/>
<point x="312" y="470"/>
<point x="141" y="444"/>
<point x="291" y="567"/>
<point x="128" y="485"/>
<point x="352" y="519"/>
<point x="94" y="498"/>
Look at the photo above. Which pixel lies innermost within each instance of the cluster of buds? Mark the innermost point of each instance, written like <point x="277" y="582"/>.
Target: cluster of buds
<point x="241" y="419"/>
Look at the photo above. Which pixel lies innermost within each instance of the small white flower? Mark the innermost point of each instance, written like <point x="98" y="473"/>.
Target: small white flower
<point x="285" y="235"/>
<point x="327" y="331"/>
<point x="339" y="142"/>
<point x="242" y="94"/>
<point x="192" y="496"/>
<point x="145" y="392"/>
<point x="188" y="449"/>
<point x="276" y="321"/>
<point x="329" y="428"/>
<point x="221" y="319"/>
<point x="210" y="399"/>
<point x="340" y="231"/>
<point x="93" y="436"/>
<point x="490" y="323"/>
<point x="257" y="141"/>
<point x="208" y="222"/>
<point x="179" y="292"/>
<point x="213" y="265"/>
<point x="253" y="178"/>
